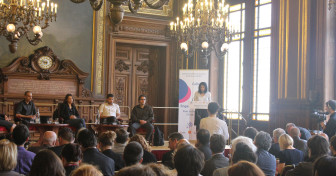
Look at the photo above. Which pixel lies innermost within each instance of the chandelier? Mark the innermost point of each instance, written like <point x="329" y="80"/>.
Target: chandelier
<point x="117" y="12"/>
<point x="18" y="17"/>
<point x="204" y="26"/>
<point x="331" y="3"/>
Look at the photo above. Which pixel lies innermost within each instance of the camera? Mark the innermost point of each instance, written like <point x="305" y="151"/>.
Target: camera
<point x="320" y="116"/>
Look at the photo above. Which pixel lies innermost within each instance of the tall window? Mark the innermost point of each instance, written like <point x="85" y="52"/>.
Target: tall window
<point x="234" y="96"/>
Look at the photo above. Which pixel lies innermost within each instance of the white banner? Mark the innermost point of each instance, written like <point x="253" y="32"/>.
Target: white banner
<point x="188" y="85"/>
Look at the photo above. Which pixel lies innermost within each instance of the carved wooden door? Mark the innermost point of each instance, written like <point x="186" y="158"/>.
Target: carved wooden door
<point x="133" y="76"/>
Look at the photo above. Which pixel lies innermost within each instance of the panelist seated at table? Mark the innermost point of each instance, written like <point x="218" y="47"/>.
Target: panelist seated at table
<point x="69" y="113"/>
<point x="109" y="112"/>
<point x="142" y="116"/>
<point x="25" y="110"/>
<point x="4" y="122"/>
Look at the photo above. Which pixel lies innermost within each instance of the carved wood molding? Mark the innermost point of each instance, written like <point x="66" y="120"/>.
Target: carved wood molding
<point x="121" y="65"/>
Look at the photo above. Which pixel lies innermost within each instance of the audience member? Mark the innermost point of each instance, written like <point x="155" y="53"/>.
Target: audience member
<point x="47" y="163"/>
<point x="250" y="132"/>
<point x="245" y="168"/>
<point x="325" y="166"/>
<point x="188" y="161"/>
<point x="4" y="121"/>
<point x="121" y="141"/>
<point x="137" y="169"/>
<point x="324" y="135"/>
<point x="203" y="143"/>
<point x="160" y="170"/>
<point x="299" y="144"/>
<point x="25" y="158"/>
<point x="133" y="153"/>
<point x="275" y="148"/>
<point x="8" y="158"/>
<point x="91" y="155"/>
<point x="25" y="110"/>
<point x="86" y="170"/>
<point x="288" y="154"/>
<point x="48" y="140"/>
<point x="305" y="134"/>
<point x="317" y="147"/>
<point x="218" y="160"/>
<point x="242" y="152"/>
<point x="106" y="141"/>
<point x="333" y="145"/>
<point x="245" y="140"/>
<point x="167" y="157"/>
<point x="266" y="161"/>
<point x="213" y="124"/>
<point x="142" y="116"/>
<point x="148" y="157"/>
<point x="71" y="155"/>
<point x="65" y="136"/>
<point x="69" y="113"/>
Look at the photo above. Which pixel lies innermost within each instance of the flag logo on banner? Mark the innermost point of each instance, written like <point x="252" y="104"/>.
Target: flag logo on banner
<point x="184" y="91"/>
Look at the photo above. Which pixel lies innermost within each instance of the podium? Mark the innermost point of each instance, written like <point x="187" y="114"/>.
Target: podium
<point x="201" y="111"/>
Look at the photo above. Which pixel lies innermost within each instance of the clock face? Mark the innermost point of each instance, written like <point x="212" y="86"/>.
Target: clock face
<point x="45" y="62"/>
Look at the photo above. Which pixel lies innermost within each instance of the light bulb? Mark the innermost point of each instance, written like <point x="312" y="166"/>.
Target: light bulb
<point x="10" y="27"/>
<point x="37" y="29"/>
<point x="40" y="34"/>
<point x="224" y="47"/>
<point x="184" y="46"/>
<point x="205" y="45"/>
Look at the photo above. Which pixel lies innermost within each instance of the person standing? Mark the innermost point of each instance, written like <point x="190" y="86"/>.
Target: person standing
<point x="202" y="95"/>
<point x="329" y="125"/>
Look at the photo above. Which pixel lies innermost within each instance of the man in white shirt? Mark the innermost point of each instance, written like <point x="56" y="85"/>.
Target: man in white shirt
<point x="109" y="111"/>
<point x="213" y="124"/>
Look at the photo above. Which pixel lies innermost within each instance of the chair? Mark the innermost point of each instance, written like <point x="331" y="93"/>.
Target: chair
<point x="287" y="168"/>
<point x="143" y="132"/>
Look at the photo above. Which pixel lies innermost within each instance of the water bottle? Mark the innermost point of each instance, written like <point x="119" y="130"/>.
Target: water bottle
<point x="37" y="120"/>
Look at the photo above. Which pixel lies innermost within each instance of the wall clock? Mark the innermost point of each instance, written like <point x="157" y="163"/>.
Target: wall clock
<point x="45" y="62"/>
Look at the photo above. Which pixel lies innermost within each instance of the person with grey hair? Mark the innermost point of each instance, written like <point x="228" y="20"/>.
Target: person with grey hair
<point x="266" y="161"/>
<point x="49" y="140"/>
<point x="305" y="134"/>
<point x="245" y="140"/>
<point x="299" y="144"/>
<point x="275" y="148"/>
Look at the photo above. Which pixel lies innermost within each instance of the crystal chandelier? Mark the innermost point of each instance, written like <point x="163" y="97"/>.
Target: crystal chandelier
<point x="18" y="17"/>
<point x="331" y="3"/>
<point x="203" y="27"/>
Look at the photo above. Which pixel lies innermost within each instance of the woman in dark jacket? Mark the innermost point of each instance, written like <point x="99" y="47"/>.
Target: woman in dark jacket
<point x="70" y="114"/>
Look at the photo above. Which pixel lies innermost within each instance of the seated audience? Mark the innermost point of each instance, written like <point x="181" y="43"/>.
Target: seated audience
<point x="299" y="144"/>
<point x="275" y="148"/>
<point x="86" y="170"/>
<point x="324" y="135"/>
<point x="71" y="155"/>
<point x="245" y="140"/>
<point x="138" y="170"/>
<point x="333" y="145"/>
<point x="218" y="160"/>
<point x="109" y="111"/>
<point x="25" y="110"/>
<point x="160" y="170"/>
<point x="245" y="168"/>
<point x="121" y="141"/>
<point x="250" y="132"/>
<point x="317" y="147"/>
<point x="288" y="154"/>
<point x="91" y="155"/>
<point x="69" y="113"/>
<point x="105" y="143"/>
<point x="167" y="157"/>
<point x="24" y="158"/>
<point x="47" y="163"/>
<point x="325" y="166"/>
<point x="213" y="124"/>
<point x="133" y="154"/>
<point x="203" y="143"/>
<point x="305" y="134"/>
<point x="266" y="161"/>
<point x="142" y="117"/>
<point x="188" y="161"/>
<point x="4" y="121"/>
<point x="242" y="152"/>
<point x="48" y="140"/>
<point x="8" y="158"/>
<point x="148" y="157"/>
<point x="65" y="136"/>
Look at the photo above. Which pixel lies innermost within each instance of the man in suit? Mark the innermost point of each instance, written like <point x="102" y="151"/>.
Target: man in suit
<point x="91" y="155"/>
<point x="167" y="157"/>
<point x="299" y="144"/>
<point x="65" y="136"/>
<point x="49" y="140"/>
<point x="218" y="160"/>
<point x="203" y="143"/>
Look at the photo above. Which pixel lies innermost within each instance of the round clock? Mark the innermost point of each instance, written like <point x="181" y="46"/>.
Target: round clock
<point x="45" y="62"/>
